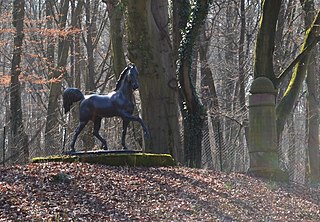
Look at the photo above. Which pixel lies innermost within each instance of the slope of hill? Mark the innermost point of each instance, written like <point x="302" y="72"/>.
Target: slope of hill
<point x="85" y="192"/>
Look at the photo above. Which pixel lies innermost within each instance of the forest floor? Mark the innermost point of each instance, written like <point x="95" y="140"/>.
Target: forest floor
<point x="86" y="192"/>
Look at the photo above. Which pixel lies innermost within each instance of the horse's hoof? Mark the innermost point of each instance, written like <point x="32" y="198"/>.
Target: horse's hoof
<point x="72" y="149"/>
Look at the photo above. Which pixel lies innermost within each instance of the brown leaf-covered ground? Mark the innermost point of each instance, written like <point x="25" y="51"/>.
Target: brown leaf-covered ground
<point x="85" y="192"/>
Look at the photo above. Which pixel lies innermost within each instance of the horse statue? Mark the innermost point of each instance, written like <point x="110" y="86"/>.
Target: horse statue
<point x="95" y="107"/>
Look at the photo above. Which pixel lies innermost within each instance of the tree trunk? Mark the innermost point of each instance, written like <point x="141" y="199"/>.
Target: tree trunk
<point x="77" y="45"/>
<point x="209" y="96"/>
<point x="191" y="107"/>
<point x="264" y="156"/>
<point x="263" y="63"/>
<point x="52" y="136"/>
<point x="290" y="97"/>
<point x="241" y="60"/>
<point x="19" y="151"/>
<point x="75" y="53"/>
<point x="115" y="13"/>
<point x="91" y="34"/>
<point x="76" y="62"/>
<point x="180" y="13"/>
<point x="242" y="78"/>
<point x="87" y="137"/>
<point x="150" y="49"/>
<point x="312" y="98"/>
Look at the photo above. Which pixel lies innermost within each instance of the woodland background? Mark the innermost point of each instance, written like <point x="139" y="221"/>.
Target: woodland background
<point x="86" y="44"/>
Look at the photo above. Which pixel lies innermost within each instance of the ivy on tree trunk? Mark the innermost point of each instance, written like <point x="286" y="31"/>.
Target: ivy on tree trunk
<point x="191" y="107"/>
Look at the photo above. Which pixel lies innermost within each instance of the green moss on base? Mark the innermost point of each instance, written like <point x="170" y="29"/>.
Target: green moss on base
<point x="62" y="158"/>
<point x="135" y="159"/>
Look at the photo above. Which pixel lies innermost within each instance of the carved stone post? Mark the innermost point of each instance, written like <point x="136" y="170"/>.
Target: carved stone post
<point x="263" y="151"/>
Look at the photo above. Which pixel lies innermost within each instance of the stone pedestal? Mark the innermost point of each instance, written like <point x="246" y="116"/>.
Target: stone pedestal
<point x="263" y="151"/>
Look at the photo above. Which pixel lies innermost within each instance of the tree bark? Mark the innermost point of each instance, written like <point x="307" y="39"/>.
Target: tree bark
<point x="90" y="86"/>
<point x="75" y="53"/>
<point x="149" y="48"/>
<point x="264" y="156"/>
<point x="242" y="76"/>
<point x="76" y="61"/>
<point x="19" y="150"/>
<point x="180" y="14"/>
<point x="263" y="63"/>
<point x="115" y="13"/>
<point x="191" y="107"/>
<point x="241" y="60"/>
<point x="290" y="97"/>
<point x="52" y="135"/>
<point x="91" y="34"/>
<point x="312" y="102"/>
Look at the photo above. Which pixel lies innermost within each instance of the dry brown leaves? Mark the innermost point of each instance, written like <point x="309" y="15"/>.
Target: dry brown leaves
<point x="84" y="192"/>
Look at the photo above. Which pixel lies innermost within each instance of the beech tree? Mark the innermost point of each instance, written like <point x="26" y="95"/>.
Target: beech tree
<point x="19" y="151"/>
<point x="312" y="101"/>
<point x="149" y="47"/>
<point x="52" y="123"/>
<point x="115" y="12"/>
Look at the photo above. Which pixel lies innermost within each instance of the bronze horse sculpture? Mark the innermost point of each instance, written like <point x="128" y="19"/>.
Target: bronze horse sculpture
<point x="95" y="107"/>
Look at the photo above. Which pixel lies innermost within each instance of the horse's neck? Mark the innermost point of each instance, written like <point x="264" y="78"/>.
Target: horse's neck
<point x="126" y="90"/>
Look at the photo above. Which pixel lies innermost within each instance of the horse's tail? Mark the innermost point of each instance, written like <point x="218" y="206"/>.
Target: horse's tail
<point x="70" y="96"/>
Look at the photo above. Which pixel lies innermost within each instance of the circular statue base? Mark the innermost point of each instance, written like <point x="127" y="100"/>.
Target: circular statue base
<point x="98" y="152"/>
<point x="112" y="158"/>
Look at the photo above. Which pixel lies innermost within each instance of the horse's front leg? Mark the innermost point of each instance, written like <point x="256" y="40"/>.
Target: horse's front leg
<point x="137" y="119"/>
<point x="125" y="124"/>
<point x="97" y="126"/>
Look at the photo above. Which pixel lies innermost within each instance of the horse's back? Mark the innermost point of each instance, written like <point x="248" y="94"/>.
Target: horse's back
<point x="99" y="105"/>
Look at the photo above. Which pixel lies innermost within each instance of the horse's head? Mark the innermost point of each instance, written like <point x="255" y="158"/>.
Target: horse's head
<point x="132" y="77"/>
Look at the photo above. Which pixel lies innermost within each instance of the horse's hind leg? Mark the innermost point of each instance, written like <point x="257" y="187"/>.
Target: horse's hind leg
<point x="97" y="125"/>
<point x="124" y="132"/>
<point x="77" y="132"/>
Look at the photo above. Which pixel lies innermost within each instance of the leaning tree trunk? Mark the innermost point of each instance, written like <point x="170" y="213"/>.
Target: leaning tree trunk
<point x="19" y="152"/>
<point x="191" y="107"/>
<point x="149" y="48"/>
<point x="290" y="97"/>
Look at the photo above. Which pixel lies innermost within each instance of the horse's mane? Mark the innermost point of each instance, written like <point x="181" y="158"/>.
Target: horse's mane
<point x="122" y="75"/>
